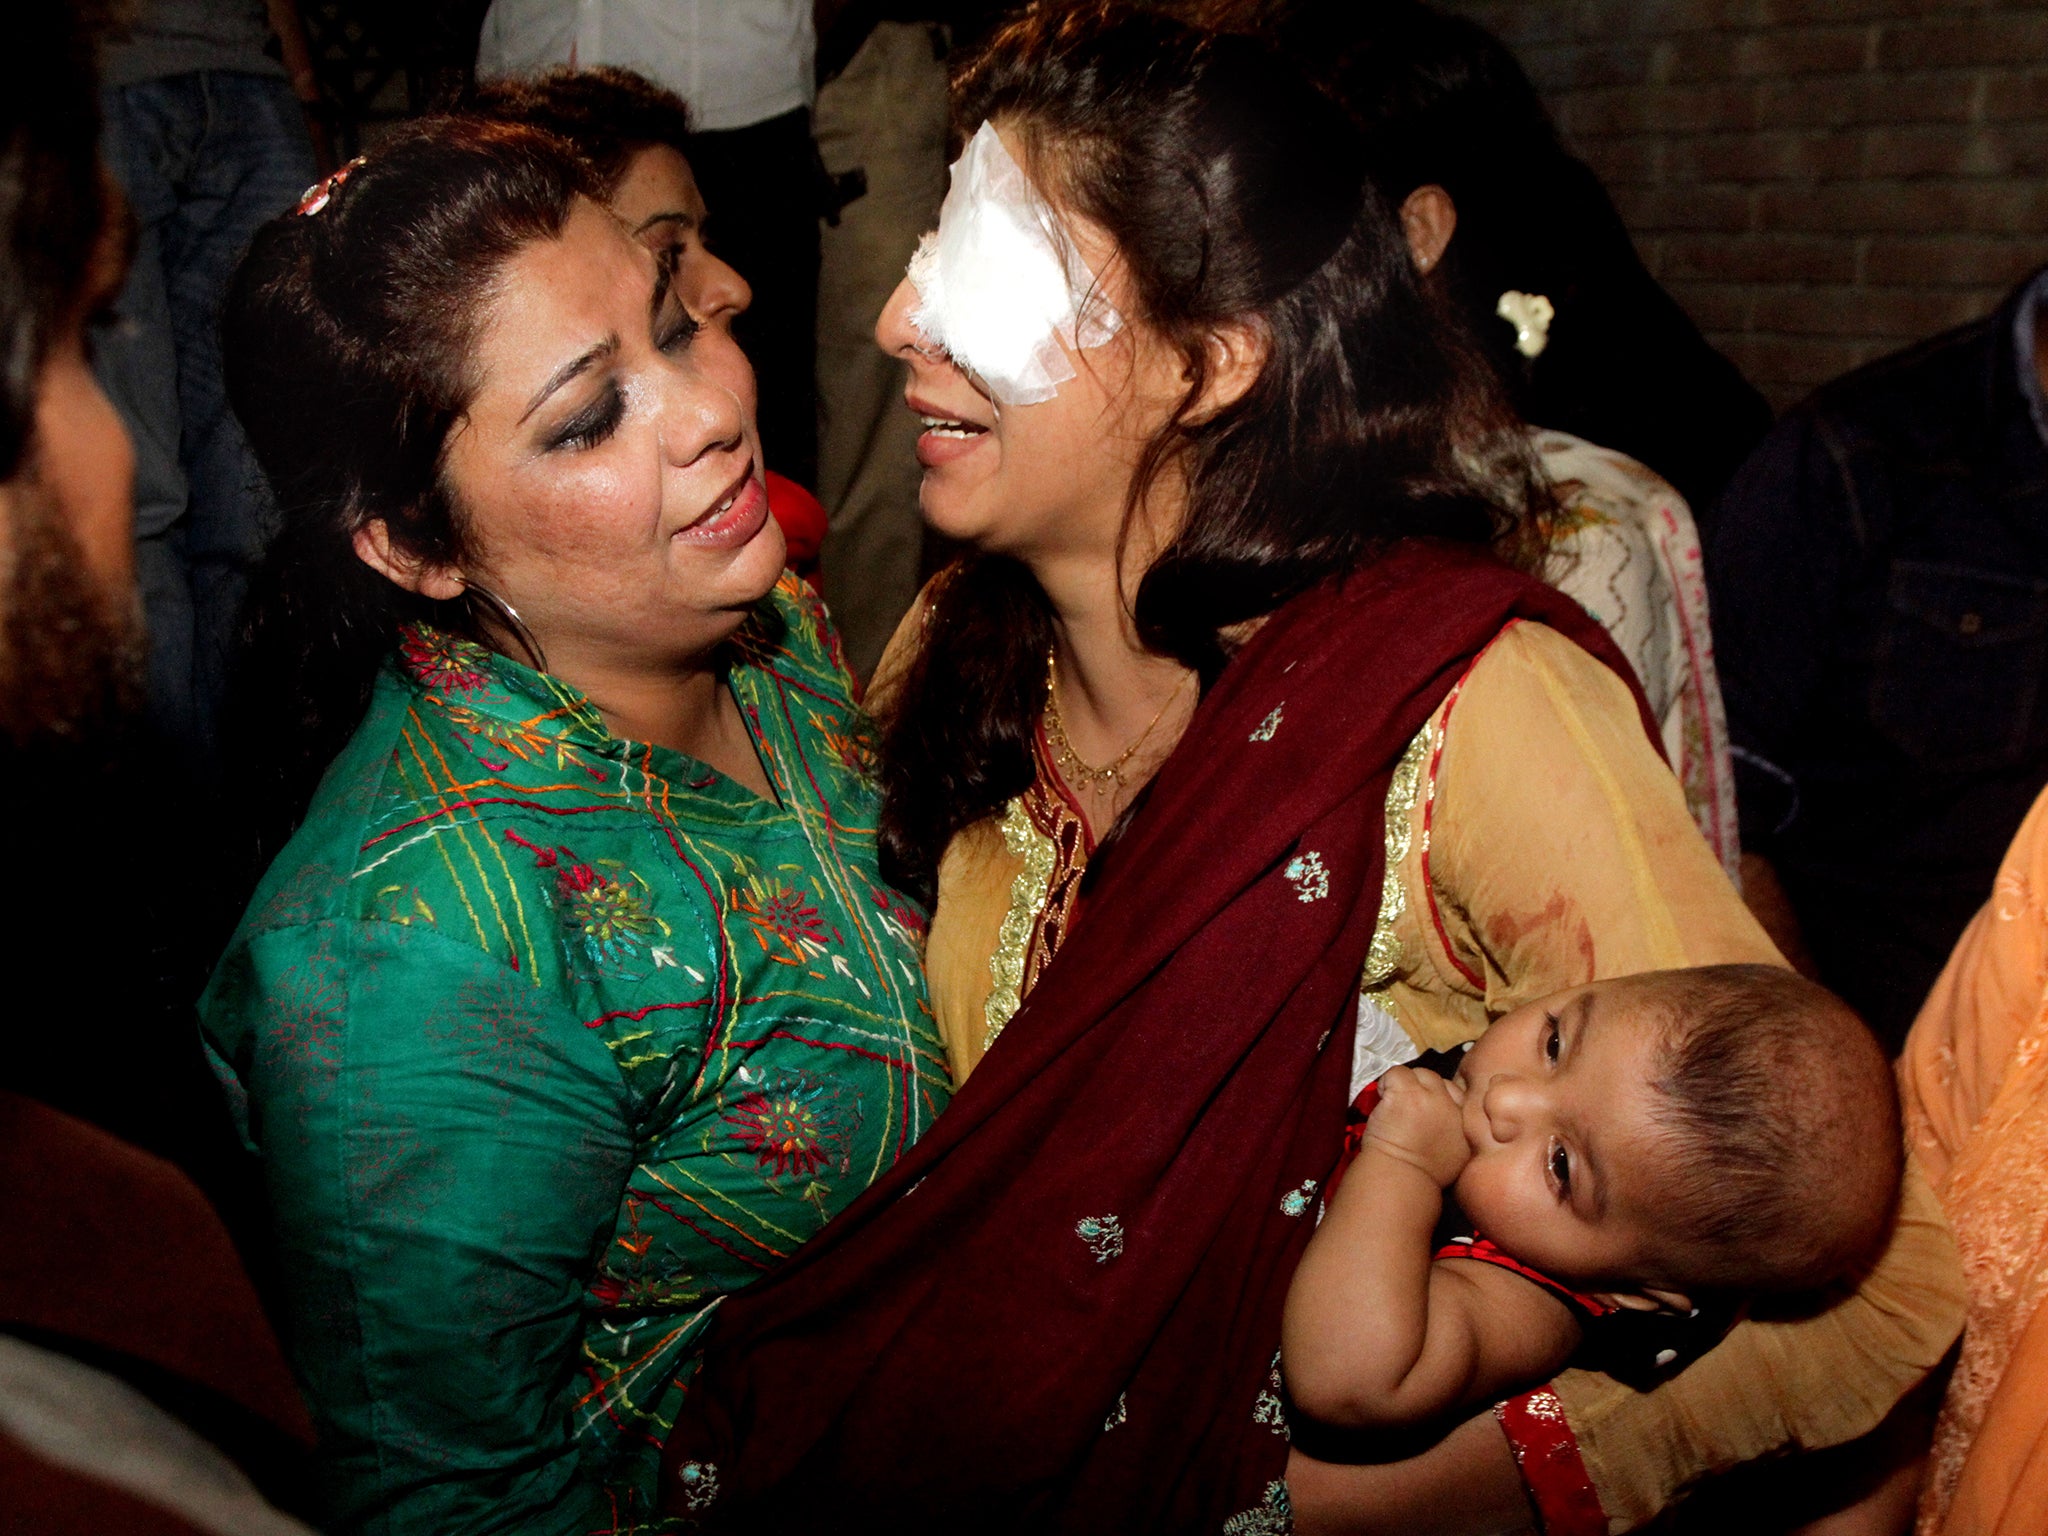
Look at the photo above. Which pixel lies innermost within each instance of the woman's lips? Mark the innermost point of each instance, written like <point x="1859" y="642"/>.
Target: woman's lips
<point x="733" y="519"/>
<point x="945" y="438"/>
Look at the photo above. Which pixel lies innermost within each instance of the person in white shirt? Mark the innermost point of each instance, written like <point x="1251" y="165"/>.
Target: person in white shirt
<point x="736" y="62"/>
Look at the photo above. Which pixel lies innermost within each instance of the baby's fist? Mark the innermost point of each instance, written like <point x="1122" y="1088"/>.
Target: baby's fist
<point x="1419" y="1120"/>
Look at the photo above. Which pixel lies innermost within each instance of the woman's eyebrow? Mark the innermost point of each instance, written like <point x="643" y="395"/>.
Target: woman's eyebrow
<point x="680" y="216"/>
<point x="575" y="368"/>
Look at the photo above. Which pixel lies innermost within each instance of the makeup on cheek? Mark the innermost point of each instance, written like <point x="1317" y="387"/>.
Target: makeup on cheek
<point x="1000" y="285"/>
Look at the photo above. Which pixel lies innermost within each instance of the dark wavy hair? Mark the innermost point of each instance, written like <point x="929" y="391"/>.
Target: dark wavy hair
<point x="609" y="114"/>
<point x="347" y="340"/>
<point x="1234" y="192"/>
<point x="1442" y="101"/>
<point x="54" y="203"/>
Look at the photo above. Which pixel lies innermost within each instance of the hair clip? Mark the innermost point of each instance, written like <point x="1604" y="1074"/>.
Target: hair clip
<point x="1530" y="314"/>
<point x="321" y="193"/>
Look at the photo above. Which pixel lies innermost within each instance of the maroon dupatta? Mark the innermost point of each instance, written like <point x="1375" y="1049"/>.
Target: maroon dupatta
<point x="1061" y="1310"/>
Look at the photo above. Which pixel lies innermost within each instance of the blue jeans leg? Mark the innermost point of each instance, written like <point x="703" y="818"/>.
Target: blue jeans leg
<point x="136" y="360"/>
<point x="252" y="165"/>
<point x="206" y="159"/>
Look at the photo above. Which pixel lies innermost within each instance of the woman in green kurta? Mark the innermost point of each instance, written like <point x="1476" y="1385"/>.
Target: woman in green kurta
<point x="576" y="1001"/>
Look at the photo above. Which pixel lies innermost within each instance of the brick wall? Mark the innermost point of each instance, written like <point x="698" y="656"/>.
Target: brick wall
<point x="1818" y="182"/>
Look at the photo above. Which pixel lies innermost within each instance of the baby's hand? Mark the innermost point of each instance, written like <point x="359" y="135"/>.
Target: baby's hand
<point x="1418" y="1120"/>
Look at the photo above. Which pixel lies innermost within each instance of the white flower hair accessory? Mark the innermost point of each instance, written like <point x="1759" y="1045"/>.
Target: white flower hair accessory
<point x="1530" y="314"/>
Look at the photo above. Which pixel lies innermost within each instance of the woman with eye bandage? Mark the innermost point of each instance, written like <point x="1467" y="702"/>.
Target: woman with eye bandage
<point x="1242" y="758"/>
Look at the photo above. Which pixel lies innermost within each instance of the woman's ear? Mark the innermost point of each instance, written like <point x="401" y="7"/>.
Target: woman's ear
<point x="1235" y="355"/>
<point x="1428" y="219"/>
<point x="375" y="549"/>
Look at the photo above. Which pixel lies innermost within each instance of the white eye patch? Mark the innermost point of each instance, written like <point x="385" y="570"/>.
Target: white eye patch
<point x="1000" y="285"/>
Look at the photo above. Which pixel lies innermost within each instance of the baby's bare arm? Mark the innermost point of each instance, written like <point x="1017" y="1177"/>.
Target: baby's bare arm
<point x="1377" y="1334"/>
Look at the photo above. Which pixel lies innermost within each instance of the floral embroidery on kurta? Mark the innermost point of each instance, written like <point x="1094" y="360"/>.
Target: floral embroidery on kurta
<point x="1036" y="856"/>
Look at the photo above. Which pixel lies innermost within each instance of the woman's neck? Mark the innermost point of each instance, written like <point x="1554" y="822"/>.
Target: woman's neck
<point x="1112" y="691"/>
<point x="686" y="708"/>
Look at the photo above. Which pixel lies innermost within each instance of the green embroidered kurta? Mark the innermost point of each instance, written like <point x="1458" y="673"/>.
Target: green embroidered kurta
<point x="549" y="1040"/>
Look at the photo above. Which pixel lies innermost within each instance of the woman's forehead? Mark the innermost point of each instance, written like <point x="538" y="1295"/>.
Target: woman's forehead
<point x="657" y="181"/>
<point x="592" y="270"/>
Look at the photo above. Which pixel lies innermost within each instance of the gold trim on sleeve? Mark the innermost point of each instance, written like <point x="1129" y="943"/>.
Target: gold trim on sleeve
<point x="1013" y="940"/>
<point x="1383" y="957"/>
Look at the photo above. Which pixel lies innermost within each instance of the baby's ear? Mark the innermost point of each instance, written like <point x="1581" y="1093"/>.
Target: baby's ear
<point x="1649" y="1299"/>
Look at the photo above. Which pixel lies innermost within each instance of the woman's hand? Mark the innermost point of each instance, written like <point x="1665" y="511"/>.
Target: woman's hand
<point x="1420" y="1121"/>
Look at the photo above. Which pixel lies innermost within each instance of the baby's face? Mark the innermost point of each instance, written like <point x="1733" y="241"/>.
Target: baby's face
<point x="1560" y="1115"/>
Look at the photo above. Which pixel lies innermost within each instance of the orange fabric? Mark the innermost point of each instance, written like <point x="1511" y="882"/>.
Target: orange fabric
<point x="1974" y="1079"/>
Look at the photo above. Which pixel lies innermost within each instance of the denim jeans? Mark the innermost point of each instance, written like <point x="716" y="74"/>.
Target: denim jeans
<point x="205" y="158"/>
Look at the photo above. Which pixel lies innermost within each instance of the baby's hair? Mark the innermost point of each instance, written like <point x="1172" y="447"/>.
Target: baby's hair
<point x="1790" y="1148"/>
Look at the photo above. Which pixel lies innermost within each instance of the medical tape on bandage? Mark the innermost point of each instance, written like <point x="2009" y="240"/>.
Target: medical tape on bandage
<point x="1000" y="286"/>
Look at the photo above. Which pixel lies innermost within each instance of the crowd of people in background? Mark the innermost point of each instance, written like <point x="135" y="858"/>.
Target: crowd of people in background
<point x="681" y="867"/>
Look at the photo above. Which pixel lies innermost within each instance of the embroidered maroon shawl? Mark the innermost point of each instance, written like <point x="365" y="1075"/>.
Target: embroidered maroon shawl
<point x="1061" y="1311"/>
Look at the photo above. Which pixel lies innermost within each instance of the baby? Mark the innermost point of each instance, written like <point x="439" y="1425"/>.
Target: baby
<point x="1630" y="1147"/>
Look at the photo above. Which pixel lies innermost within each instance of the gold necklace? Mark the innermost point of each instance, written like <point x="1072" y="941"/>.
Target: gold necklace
<point x="1077" y="770"/>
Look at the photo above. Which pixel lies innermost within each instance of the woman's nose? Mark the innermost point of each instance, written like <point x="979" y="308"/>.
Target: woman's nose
<point x="708" y="399"/>
<point x="894" y="333"/>
<point x="721" y="295"/>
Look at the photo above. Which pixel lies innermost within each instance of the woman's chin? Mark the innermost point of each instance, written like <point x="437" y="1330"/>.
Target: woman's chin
<point x="740" y="576"/>
<point x="958" y="518"/>
<point x="762" y="560"/>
